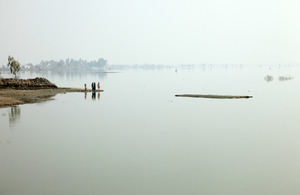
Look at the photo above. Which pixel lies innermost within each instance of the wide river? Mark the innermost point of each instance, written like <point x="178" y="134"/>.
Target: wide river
<point x="136" y="137"/>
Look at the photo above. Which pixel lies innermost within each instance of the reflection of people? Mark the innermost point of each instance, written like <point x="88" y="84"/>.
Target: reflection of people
<point x="98" y="96"/>
<point x="93" y="95"/>
<point x="85" y="95"/>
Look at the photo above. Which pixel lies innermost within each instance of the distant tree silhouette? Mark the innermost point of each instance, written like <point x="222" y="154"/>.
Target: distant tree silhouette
<point x="72" y="64"/>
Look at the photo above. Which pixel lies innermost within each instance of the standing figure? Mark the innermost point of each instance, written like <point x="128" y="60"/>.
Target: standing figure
<point x="93" y="86"/>
<point x="98" y="85"/>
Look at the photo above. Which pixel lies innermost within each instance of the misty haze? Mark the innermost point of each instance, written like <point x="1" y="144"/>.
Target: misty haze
<point x="149" y="97"/>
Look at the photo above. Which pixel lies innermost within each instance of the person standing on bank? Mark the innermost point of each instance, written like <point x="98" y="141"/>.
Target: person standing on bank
<point x="93" y="86"/>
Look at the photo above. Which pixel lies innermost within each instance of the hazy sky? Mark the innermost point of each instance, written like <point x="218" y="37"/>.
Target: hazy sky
<point x="151" y="31"/>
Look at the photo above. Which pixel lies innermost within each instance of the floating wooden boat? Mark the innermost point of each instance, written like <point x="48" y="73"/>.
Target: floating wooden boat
<point x="213" y="96"/>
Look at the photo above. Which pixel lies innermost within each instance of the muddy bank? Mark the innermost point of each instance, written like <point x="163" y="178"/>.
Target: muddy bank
<point x="24" y="91"/>
<point x="36" y="83"/>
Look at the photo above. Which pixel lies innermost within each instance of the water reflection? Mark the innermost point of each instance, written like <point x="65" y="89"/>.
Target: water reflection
<point x="93" y="95"/>
<point x="5" y="142"/>
<point x="67" y="74"/>
<point x="155" y="140"/>
<point x="14" y="115"/>
<point x="9" y="120"/>
<point x="68" y="79"/>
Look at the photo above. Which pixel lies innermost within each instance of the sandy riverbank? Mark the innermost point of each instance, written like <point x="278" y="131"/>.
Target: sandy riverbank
<point x="11" y="97"/>
<point x="24" y="91"/>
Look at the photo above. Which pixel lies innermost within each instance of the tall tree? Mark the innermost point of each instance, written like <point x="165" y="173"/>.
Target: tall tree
<point x="14" y="65"/>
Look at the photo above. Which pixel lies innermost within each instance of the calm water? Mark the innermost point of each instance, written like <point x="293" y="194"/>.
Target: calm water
<point x="138" y="138"/>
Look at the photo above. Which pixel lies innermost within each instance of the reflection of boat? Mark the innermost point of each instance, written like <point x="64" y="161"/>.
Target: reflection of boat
<point x="213" y="96"/>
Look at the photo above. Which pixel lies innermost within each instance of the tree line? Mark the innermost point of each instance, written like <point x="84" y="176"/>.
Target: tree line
<point x="68" y="64"/>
